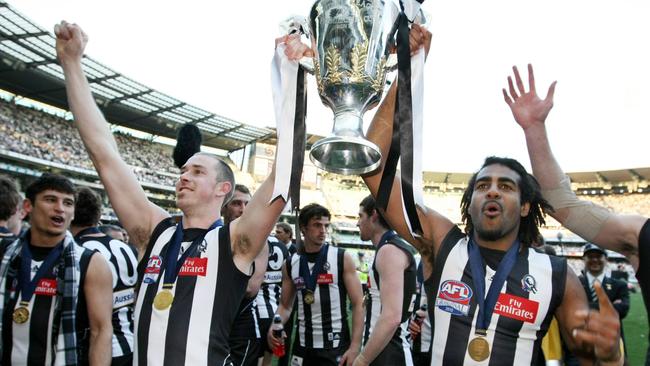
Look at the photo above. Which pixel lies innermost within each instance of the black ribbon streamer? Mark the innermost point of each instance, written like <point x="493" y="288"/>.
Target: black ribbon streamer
<point x="298" y="146"/>
<point x="298" y="141"/>
<point x="402" y="139"/>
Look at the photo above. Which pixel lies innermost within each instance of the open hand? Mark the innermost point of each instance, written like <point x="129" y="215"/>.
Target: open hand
<point x="527" y="108"/>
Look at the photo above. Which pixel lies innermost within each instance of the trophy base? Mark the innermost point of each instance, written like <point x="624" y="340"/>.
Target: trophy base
<point x="345" y="155"/>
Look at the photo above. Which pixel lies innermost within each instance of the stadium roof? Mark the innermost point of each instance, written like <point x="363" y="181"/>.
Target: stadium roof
<point x="28" y="67"/>
<point x="605" y="177"/>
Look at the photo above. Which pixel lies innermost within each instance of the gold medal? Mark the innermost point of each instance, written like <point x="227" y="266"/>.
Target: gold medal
<point x="163" y="300"/>
<point x="309" y="297"/>
<point x="21" y="315"/>
<point x="479" y="349"/>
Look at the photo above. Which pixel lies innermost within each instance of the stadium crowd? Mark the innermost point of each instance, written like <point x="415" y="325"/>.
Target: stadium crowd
<point x="46" y="136"/>
<point x="210" y="286"/>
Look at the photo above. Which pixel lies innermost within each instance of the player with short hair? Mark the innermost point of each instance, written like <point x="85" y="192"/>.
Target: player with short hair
<point x="322" y="277"/>
<point x="55" y="296"/>
<point x="194" y="272"/>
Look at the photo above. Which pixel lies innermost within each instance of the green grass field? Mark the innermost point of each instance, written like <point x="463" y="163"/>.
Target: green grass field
<point x="636" y="330"/>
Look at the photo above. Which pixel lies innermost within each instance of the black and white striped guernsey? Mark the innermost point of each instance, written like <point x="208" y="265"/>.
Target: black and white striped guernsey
<point x="268" y="297"/>
<point x="399" y="346"/>
<point x="422" y="343"/>
<point x="323" y="324"/>
<point x="122" y="260"/>
<point x="207" y="294"/>
<point x="30" y="343"/>
<point x="527" y="302"/>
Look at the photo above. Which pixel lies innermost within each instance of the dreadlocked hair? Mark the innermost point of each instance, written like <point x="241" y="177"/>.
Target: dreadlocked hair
<point x="530" y="192"/>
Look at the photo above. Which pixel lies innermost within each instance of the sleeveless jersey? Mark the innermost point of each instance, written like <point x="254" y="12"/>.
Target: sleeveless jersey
<point x="373" y="307"/>
<point x="122" y="260"/>
<point x="30" y="343"/>
<point x="194" y="330"/>
<point x="245" y="325"/>
<point x="323" y="324"/>
<point x="525" y="307"/>
<point x="422" y="343"/>
<point x="268" y="297"/>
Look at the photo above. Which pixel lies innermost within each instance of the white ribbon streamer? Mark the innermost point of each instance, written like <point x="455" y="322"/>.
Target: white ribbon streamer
<point x="284" y="79"/>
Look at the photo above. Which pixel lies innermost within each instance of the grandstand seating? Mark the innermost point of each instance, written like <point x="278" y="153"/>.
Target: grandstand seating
<point x="46" y="136"/>
<point x="50" y="138"/>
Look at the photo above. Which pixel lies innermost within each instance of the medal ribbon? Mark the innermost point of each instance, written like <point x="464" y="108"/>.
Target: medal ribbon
<point x="310" y="278"/>
<point x="4" y="230"/>
<point x="26" y="286"/>
<point x="172" y="267"/>
<point x="486" y="303"/>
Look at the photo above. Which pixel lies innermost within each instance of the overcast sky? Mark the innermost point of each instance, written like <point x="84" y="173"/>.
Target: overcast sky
<point x="216" y="55"/>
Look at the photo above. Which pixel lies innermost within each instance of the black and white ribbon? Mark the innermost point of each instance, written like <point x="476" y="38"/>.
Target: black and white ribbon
<point x="407" y="124"/>
<point x="290" y="102"/>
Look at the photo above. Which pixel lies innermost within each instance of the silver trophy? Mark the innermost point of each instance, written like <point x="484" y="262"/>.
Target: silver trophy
<point x="350" y="39"/>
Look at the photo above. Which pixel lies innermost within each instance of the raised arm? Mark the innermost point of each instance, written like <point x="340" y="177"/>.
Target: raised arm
<point x="136" y="213"/>
<point x="435" y="226"/>
<point x="593" y="222"/>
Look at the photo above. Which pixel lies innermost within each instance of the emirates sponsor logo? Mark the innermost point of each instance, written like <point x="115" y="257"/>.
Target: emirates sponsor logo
<point x="194" y="267"/>
<point x="516" y="307"/>
<point x="325" y="279"/>
<point x="46" y="287"/>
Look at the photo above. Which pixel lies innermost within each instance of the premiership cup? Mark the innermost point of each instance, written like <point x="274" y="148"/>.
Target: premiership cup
<point x="350" y="39"/>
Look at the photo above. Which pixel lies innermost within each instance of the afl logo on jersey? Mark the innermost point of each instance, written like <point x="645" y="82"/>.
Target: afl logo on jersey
<point x="454" y="297"/>
<point x="153" y="265"/>
<point x="152" y="270"/>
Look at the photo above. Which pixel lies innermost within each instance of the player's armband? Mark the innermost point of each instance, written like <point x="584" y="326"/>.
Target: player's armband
<point x="585" y="218"/>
